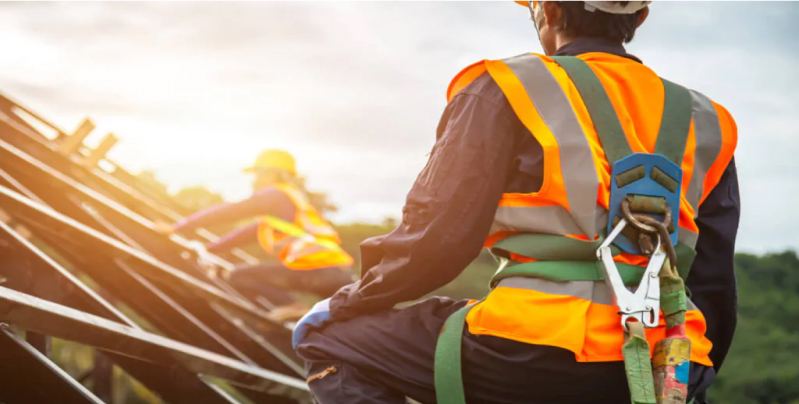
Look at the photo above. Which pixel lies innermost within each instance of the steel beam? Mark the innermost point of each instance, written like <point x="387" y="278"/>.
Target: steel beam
<point x="25" y="266"/>
<point x="157" y="270"/>
<point x="102" y="377"/>
<point x="32" y="313"/>
<point x="139" y="228"/>
<point x="30" y="266"/>
<point x="168" y="314"/>
<point x="27" y="376"/>
<point x="161" y="310"/>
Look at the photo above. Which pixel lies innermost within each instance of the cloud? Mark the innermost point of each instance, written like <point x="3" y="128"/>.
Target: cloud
<point x="355" y="89"/>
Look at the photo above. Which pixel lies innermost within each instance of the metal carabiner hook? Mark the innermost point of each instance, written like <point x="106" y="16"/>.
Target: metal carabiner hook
<point x="642" y="305"/>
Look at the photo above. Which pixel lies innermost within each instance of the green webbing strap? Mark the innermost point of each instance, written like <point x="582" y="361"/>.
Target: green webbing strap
<point x="448" y="371"/>
<point x="672" y="299"/>
<point x="596" y="100"/>
<point x="547" y="247"/>
<point x="685" y="258"/>
<point x="550" y="247"/>
<point x="673" y="303"/>
<point x="638" y="365"/>
<point x="676" y="122"/>
<point x="447" y="368"/>
<point x="567" y="271"/>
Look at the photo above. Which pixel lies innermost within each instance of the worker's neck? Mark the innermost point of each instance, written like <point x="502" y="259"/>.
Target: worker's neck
<point x="579" y="45"/>
<point x="563" y="40"/>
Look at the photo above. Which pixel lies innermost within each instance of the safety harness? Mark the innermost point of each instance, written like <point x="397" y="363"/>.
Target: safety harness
<point x="645" y="196"/>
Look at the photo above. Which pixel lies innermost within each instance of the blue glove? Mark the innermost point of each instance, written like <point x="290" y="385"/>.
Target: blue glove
<point x="317" y="317"/>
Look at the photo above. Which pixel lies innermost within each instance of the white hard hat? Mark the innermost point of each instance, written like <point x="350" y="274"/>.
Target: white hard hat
<point x="616" y="7"/>
<point x="610" y="7"/>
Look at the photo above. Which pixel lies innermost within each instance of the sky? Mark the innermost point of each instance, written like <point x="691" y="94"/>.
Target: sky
<point x="355" y="89"/>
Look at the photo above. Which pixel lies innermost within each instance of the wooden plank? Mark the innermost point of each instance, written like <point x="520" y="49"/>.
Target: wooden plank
<point x="72" y="142"/>
<point x="101" y="150"/>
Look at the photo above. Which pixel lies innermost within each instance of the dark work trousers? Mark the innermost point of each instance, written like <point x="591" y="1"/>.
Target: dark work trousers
<point x="274" y="281"/>
<point x="385" y="357"/>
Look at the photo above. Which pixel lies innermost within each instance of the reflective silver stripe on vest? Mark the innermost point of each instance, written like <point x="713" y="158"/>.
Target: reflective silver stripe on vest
<point x="687" y="237"/>
<point x="300" y="248"/>
<point x="708" y="146"/>
<point x="596" y="292"/>
<point x="542" y="220"/>
<point x="316" y="230"/>
<point x="576" y="160"/>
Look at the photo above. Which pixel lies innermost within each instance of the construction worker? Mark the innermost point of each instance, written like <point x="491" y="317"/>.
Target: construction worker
<point x="524" y="164"/>
<point x="307" y="252"/>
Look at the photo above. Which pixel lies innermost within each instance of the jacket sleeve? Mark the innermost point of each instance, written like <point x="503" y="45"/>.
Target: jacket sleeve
<point x="712" y="278"/>
<point x="236" y="238"/>
<point x="447" y="214"/>
<point x="267" y="201"/>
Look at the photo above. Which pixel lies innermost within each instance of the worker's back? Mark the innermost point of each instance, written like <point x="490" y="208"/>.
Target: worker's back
<point x="307" y="242"/>
<point x="580" y="315"/>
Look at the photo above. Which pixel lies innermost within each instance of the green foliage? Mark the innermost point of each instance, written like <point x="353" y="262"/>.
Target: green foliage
<point x="471" y="284"/>
<point x="197" y="198"/>
<point x="193" y="198"/>
<point x="149" y="179"/>
<point x="763" y="364"/>
<point x="353" y="234"/>
<point x="77" y="360"/>
<point x="319" y="200"/>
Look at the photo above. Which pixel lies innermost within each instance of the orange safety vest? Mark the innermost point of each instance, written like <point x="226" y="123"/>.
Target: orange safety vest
<point x="309" y="242"/>
<point x="573" y="200"/>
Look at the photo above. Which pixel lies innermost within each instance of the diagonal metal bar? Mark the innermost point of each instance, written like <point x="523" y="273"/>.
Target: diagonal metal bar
<point x="176" y="385"/>
<point x="32" y="313"/>
<point x="158" y="308"/>
<point x="18" y="203"/>
<point x="132" y="289"/>
<point x="108" y="206"/>
<point x="91" y="257"/>
<point x="27" y="376"/>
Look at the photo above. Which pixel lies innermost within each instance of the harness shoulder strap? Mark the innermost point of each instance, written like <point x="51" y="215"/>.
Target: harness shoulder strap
<point x="676" y="122"/>
<point x="596" y="100"/>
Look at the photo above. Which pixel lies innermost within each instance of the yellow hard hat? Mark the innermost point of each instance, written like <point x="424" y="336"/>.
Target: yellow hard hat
<point x="273" y="158"/>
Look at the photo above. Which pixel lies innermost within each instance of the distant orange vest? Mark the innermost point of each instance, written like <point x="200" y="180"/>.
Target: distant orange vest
<point x="306" y="243"/>
<point x="573" y="200"/>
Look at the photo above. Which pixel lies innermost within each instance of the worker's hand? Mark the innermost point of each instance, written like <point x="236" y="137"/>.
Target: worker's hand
<point x="163" y="228"/>
<point x="318" y="317"/>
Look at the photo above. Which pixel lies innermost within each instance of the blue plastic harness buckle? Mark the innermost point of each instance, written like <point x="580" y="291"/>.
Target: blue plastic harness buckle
<point x="644" y="174"/>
